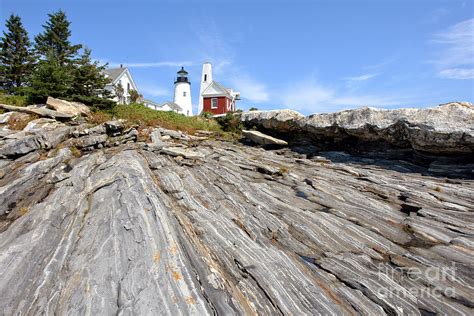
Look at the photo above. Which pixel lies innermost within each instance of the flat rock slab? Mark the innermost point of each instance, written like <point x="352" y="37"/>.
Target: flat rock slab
<point x="38" y="111"/>
<point x="67" y="107"/>
<point x="263" y="139"/>
<point x="178" y="151"/>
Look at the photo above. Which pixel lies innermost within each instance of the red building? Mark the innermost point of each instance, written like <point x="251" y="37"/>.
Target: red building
<point x="219" y="100"/>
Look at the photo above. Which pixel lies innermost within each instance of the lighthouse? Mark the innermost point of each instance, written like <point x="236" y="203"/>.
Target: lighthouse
<point x="206" y="80"/>
<point x="182" y="93"/>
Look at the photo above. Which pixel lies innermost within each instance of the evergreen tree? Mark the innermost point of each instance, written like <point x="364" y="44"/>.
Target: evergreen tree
<point x="15" y="55"/>
<point x="50" y="78"/>
<point x="54" y="41"/>
<point x="89" y="79"/>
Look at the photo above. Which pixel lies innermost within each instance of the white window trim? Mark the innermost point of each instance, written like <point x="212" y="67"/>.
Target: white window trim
<point x="212" y="103"/>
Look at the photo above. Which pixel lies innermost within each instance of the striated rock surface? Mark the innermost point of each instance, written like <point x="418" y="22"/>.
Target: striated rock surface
<point x="446" y="129"/>
<point x="222" y="228"/>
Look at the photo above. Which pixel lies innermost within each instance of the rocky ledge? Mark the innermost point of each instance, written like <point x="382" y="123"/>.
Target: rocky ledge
<point x="95" y="222"/>
<point x="422" y="136"/>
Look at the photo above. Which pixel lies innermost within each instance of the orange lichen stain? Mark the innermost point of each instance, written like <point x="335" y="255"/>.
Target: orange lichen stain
<point x="190" y="300"/>
<point x="174" y="248"/>
<point x="157" y="257"/>
<point x="147" y="209"/>
<point x="176" y="275"/>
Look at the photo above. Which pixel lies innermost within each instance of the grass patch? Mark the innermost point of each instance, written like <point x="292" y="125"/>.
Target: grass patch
<point x="18" y="121"/>
<point x="99" y="117"/>
<point x="142" y="116"/>
<point x="75" y="152"/>
<point x="17" y="100"/>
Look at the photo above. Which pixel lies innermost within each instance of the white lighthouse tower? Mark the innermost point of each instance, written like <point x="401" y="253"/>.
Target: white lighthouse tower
<point x="182" y="93"/>
<point x="206" y="80"/>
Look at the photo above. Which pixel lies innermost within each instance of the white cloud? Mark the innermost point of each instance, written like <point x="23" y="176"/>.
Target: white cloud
<point x="250" y="89"/>
<point x="456" y="59"/>
<point x="363" y="77"/>
<point x="457" y="73"/>
<point x="310" y="96"/>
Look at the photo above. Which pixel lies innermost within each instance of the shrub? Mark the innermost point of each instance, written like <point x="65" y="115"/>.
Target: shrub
<point x="206" y="115"/>
<point x="253" y="109"/>
<point x="230" y="122"/>
<point x="144" y="116"/>
<point x="18" y="100"/>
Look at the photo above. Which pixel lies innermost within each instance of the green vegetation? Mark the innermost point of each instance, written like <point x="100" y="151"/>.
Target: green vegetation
<point x="141" y="115"/>
<point x="230" y="122"/>
<point x="253" y="109"/>
<point x="18" y="100"/>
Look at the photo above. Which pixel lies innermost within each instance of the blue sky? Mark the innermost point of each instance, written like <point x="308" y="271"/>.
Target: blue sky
<point x="311" y="56"/>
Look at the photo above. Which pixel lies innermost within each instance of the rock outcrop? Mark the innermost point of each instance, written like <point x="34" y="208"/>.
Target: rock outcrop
<point x="68" y="107"/>
<point x="220" y="228"/>
<point x="446" y="129"/>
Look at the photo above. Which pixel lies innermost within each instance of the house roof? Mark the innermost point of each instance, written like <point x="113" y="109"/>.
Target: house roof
<point x="172" y="105"/>
<point x="151" y="102"/>
<point x="215" y="89"/>
<point x="114" y="73"/>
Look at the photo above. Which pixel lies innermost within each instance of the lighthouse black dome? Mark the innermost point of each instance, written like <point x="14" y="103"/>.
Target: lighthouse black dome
<point x="182" y="76"/>
<point x="182" y="71"/>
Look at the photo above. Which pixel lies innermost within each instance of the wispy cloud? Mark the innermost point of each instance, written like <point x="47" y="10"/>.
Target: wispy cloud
<point x="457" y="73"/>
<point x="456" y="58"/>
<point x="311" y="96"/>
<point x="363" y="77"/>
<point x="251" y="89"/>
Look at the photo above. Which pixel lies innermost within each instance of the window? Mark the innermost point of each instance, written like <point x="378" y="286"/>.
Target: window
<point x="128" y="87"/>
<point x="214" y="103"/>
<point x="184" y="93"/>
<point x="187" y="113"/>
<point x="205" y="77"/>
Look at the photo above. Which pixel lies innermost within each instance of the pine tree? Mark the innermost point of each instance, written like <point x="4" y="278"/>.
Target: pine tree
<point x="16" y="58"/>
<point x="50" y="78"/>
<point x="54" y="41"/>
<point x="89" y="79"/>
